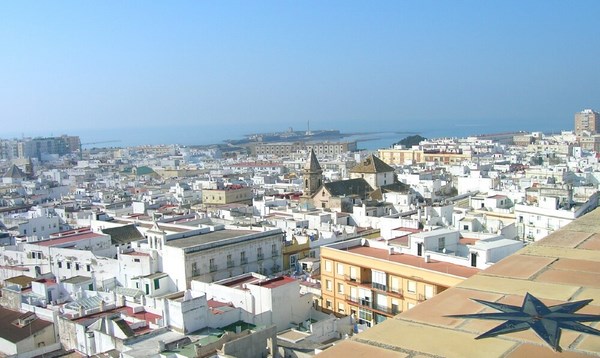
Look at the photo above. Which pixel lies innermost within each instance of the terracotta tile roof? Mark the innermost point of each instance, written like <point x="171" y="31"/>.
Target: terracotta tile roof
<point x="372" y="165"/>
<point x="349" y="187"/>
<point x="416" y="261"/>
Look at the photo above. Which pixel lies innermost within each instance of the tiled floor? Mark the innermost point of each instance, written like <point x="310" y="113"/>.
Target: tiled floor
<point x="564" y="267"/>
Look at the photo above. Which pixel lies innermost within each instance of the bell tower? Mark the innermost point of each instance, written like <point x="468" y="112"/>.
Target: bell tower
<point x="312" y="175"/>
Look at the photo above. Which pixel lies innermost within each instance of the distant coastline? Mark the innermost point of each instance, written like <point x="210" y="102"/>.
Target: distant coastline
<point x="217" y="133"/>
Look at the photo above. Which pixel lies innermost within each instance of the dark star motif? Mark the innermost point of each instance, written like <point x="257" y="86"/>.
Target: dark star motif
<point x="546" y="321"/>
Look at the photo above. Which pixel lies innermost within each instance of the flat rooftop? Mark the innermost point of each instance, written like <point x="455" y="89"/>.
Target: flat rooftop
<point x="415" y="261"/>
<point x="71" y="239"/>
<point x="208" y="238"/>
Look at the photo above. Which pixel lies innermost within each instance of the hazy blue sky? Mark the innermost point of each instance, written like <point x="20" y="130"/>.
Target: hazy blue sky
<point x="400" y="65"/>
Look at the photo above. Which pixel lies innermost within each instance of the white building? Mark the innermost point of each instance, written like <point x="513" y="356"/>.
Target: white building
<point x="263" y="301"/>
<point x="220" y="254"/>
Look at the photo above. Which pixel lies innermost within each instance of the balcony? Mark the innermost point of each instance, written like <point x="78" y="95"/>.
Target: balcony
<point x="379" y="286"/>
<point x="230" y="263"/>
<point x="365" y="302"/>
<point x="351" y="299"/>
<point x="388" y="311"/>
<point x="274" y="253"/>
<point x="213" y="268"/>
<point x="351" y="279"/>
<point x="260" y="256"/>
<point x="244" y="260"/>
<point x="396" y="292"/>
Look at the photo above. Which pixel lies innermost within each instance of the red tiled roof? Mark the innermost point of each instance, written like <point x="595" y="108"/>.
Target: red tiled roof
<point x="408" y="229"/>
<point x="416" y="261"/>
<point x="276" y="282"/>
<point x="68" y="239"/>
<point x="146" y="316"/>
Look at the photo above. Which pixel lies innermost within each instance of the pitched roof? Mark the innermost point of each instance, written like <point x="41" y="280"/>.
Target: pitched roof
<point x="398" y="187"/>
<point x="21" y="280"/>
<point x="357" y="186"/>
<point x="312" y="164"/>
<point x="144" y="170"/>
<point x="15" y="333"/>
<point x="124" y="234"/>
<point x="371" y="165"/>
<point x="14" y="172"/>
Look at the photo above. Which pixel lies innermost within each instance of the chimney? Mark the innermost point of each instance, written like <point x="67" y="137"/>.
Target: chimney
<point x="426" y="257"/>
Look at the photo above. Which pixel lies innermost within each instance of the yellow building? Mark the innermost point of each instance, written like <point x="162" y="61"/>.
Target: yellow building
<point x="373" y="284"/>
<point x="229" y="195"/>
<point x="394" y="156"/>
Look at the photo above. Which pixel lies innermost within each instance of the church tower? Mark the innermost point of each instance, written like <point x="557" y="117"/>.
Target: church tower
<point x="312" y="175"/>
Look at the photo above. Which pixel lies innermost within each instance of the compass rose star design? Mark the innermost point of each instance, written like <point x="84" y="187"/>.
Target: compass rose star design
<point x="546" y="321"/>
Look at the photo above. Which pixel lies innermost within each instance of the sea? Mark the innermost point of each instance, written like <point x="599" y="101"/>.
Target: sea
<point x="368" y="138"/>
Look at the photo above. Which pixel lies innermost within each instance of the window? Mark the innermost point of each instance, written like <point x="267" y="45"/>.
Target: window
<point x="353" y="276"/>
<point x="156" y="283"/>
<point x="328" y="304"/>
<point x="411" y="286"/>
<point x="327" y="265"/>
<point x="340" y="269"/>
<point x="243" y="258"/>
<point x="328" y="285"/>
<point x="381" y="301"/>
<point x="136" y="260"/>
<point x="212" y="265"/>
<point x="259" y="253"/>
<point x="395" y="283"/>
<point x="428" y="291"/>
<point x="341" y="308"/>
<point x="88" y="268"/>
<point x="77" y="267"/>
<point x="68" y="265"/>
<point x="441" y="243"/>
<point x="59" y="264"/>
<point x="340" y="288"/>
<point x="379" y="280"/>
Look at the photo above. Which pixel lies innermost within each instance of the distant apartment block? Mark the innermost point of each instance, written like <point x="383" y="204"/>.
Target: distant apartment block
<point x="320" y="148"/>
<point x="38" y="147"/>
<point x="587" y="121"/>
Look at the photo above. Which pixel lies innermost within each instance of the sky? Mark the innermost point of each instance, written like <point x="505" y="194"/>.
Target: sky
<point x="218" y="69"/>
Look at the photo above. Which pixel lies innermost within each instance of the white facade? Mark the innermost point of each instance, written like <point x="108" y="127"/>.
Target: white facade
<point x="221" y="254"/>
